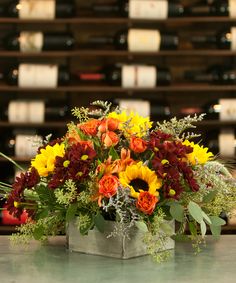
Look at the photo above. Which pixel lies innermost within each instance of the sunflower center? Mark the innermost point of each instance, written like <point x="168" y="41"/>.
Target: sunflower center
<point x="139" y="184"/>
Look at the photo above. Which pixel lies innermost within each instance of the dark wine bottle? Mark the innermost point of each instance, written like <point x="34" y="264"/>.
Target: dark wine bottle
<point x="136" y="40"/>
<point x="213" y="75"/>
<point x="36" y="41"/>
<point x="40" y="9"/>
<point x="34" y="111"/>
<point x="222" y="40"/>
<point x="37" y="76"/>
<point x="223" y="109"/>
<point x="23" y="144"/>
<point x="157" y="110"/>
<point x="133" y="76"/>
<point x="215" y="8"/>
<point x="142" y="9"/>
<point x="222" y="142"/>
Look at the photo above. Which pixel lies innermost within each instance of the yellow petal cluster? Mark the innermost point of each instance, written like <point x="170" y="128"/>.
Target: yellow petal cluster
<point x="44" y="162"/>
<point x="199" y="154"/>
<point x="132" y="123"/>
<point x="142" y="172"/>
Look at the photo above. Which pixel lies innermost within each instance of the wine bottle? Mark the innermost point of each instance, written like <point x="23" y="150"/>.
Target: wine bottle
<point x="129" y="76"/>
<point x="215" y="8"/>
<point x="215" y="75"/>
<point x="37" y="76"/>
<point x="156" y="110"/>
<point x="140" y="9"/>
<point x="36" y="41"/>
<point x="34" y="111"/>
<point x="137" y="40"/>
<point x="22" y="144"/>
<point x="222" y="142"/>
<point x="40" y="9"/>
<point x="222" y="40"/>
<point x="223" y="109"/>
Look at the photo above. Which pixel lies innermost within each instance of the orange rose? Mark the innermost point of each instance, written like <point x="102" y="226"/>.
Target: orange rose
<point x="108" y="185"/>
<point x="137" y="144"/>
<point x="90" y="127"/>
<point x="110" y="138"/>
<point x="109" y="124"/>
<point x="146" y="202"/>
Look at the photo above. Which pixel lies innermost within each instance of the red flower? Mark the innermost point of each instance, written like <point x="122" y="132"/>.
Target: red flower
<point x="108" y="185"/>
<point x="138" y="145"/>
<point x="90" y="127"/>
<point x="146" y="202"/>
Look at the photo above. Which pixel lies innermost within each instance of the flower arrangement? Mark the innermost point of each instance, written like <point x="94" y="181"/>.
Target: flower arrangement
<point x="112" y="165"/>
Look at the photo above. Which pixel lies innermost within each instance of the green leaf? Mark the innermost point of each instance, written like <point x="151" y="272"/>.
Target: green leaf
<point x="113" y="153"/>
<point x="203" y="228"/>
<point x="84" y="229"/>
<point x="195" y="211"/>
<point x="38" y="232"/>
<point x="192" y="228"/>
<point x="141" y="226"/>
<point x="46" y="195"/>
<point x="216" y="231"/>
<point x="177" y="211"/>
<point x="71" y="211"/>
<point x="167" y="228"/>
<point x="210" y="196"/>
<point x="206" y="217"/>
<point x="217" y="221"/>
<point x="99" y="222"/>
<point x="42" y="214"/>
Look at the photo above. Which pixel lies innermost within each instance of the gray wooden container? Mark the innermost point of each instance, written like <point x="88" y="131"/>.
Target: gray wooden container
<point x="97" y="243"/>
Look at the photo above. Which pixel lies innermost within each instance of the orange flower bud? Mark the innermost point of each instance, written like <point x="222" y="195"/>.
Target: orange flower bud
<point x="90" y="127"/>
<point x="109" y="124"/>
<point x="110" y="138"/>
<point x="137" y="144"/>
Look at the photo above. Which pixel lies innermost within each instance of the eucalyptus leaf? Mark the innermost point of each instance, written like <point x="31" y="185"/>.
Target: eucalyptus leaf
<point x="71" y="211"/>
<point x="210" y="196"/>
<point x="167" y="228"/>
<point x="195" y="211"/>
<point x="217" y="221"/>
<point x="141" y="226"/>
<point x="99" y="222"/>
<point x="216" y="231"/>
<point x="206" y="217"/>
<point x="177" y="211"/>
<point x="203" y="228"/>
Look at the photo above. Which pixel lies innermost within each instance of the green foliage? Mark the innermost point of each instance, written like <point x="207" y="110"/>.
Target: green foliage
<point x="177" y="211"/>
<point x="99" y="222"/>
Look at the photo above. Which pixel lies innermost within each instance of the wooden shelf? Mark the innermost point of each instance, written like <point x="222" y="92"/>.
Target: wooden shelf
<point x="118" y="53"/>
<point x="116" y="20"/>
<point x="184" y="87"/>
<point x="16" y="159"/>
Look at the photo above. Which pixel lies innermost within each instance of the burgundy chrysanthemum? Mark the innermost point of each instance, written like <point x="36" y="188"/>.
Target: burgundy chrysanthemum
<point x="75" y="164"/>
<point x="169" y="164"/>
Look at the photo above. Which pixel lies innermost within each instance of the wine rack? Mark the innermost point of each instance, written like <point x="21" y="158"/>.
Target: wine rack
<point x="179" y="94"/>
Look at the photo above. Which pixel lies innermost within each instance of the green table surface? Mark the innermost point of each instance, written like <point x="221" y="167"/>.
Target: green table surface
<point x="53" y="263"/>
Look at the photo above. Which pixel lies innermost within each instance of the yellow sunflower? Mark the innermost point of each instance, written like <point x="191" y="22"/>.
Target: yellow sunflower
<point x="139" y="178"/>
<point x="199" y="154"/>
<point x="45" y="160"/>
<point x="132" y="124"/>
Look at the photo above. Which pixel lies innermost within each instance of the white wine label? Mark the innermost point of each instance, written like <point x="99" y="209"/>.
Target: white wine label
<point x="18" y="112"/>
<point x="138" y="76"/>
<point x="148" y="9"/>
<point x="36" y="111"/>
<point x="37" y="76"/>
<point x="31" y="41"/>
<point x="227" y="109"/>
<point x="232" y="8"/>
<point x="227" y="143"/>
<point x="233" y="38"/>
<point x="142" y="107"/>
<point x="144" y="40"/>
<point x="27" y="145"/>
<point x="37" y="9"/>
